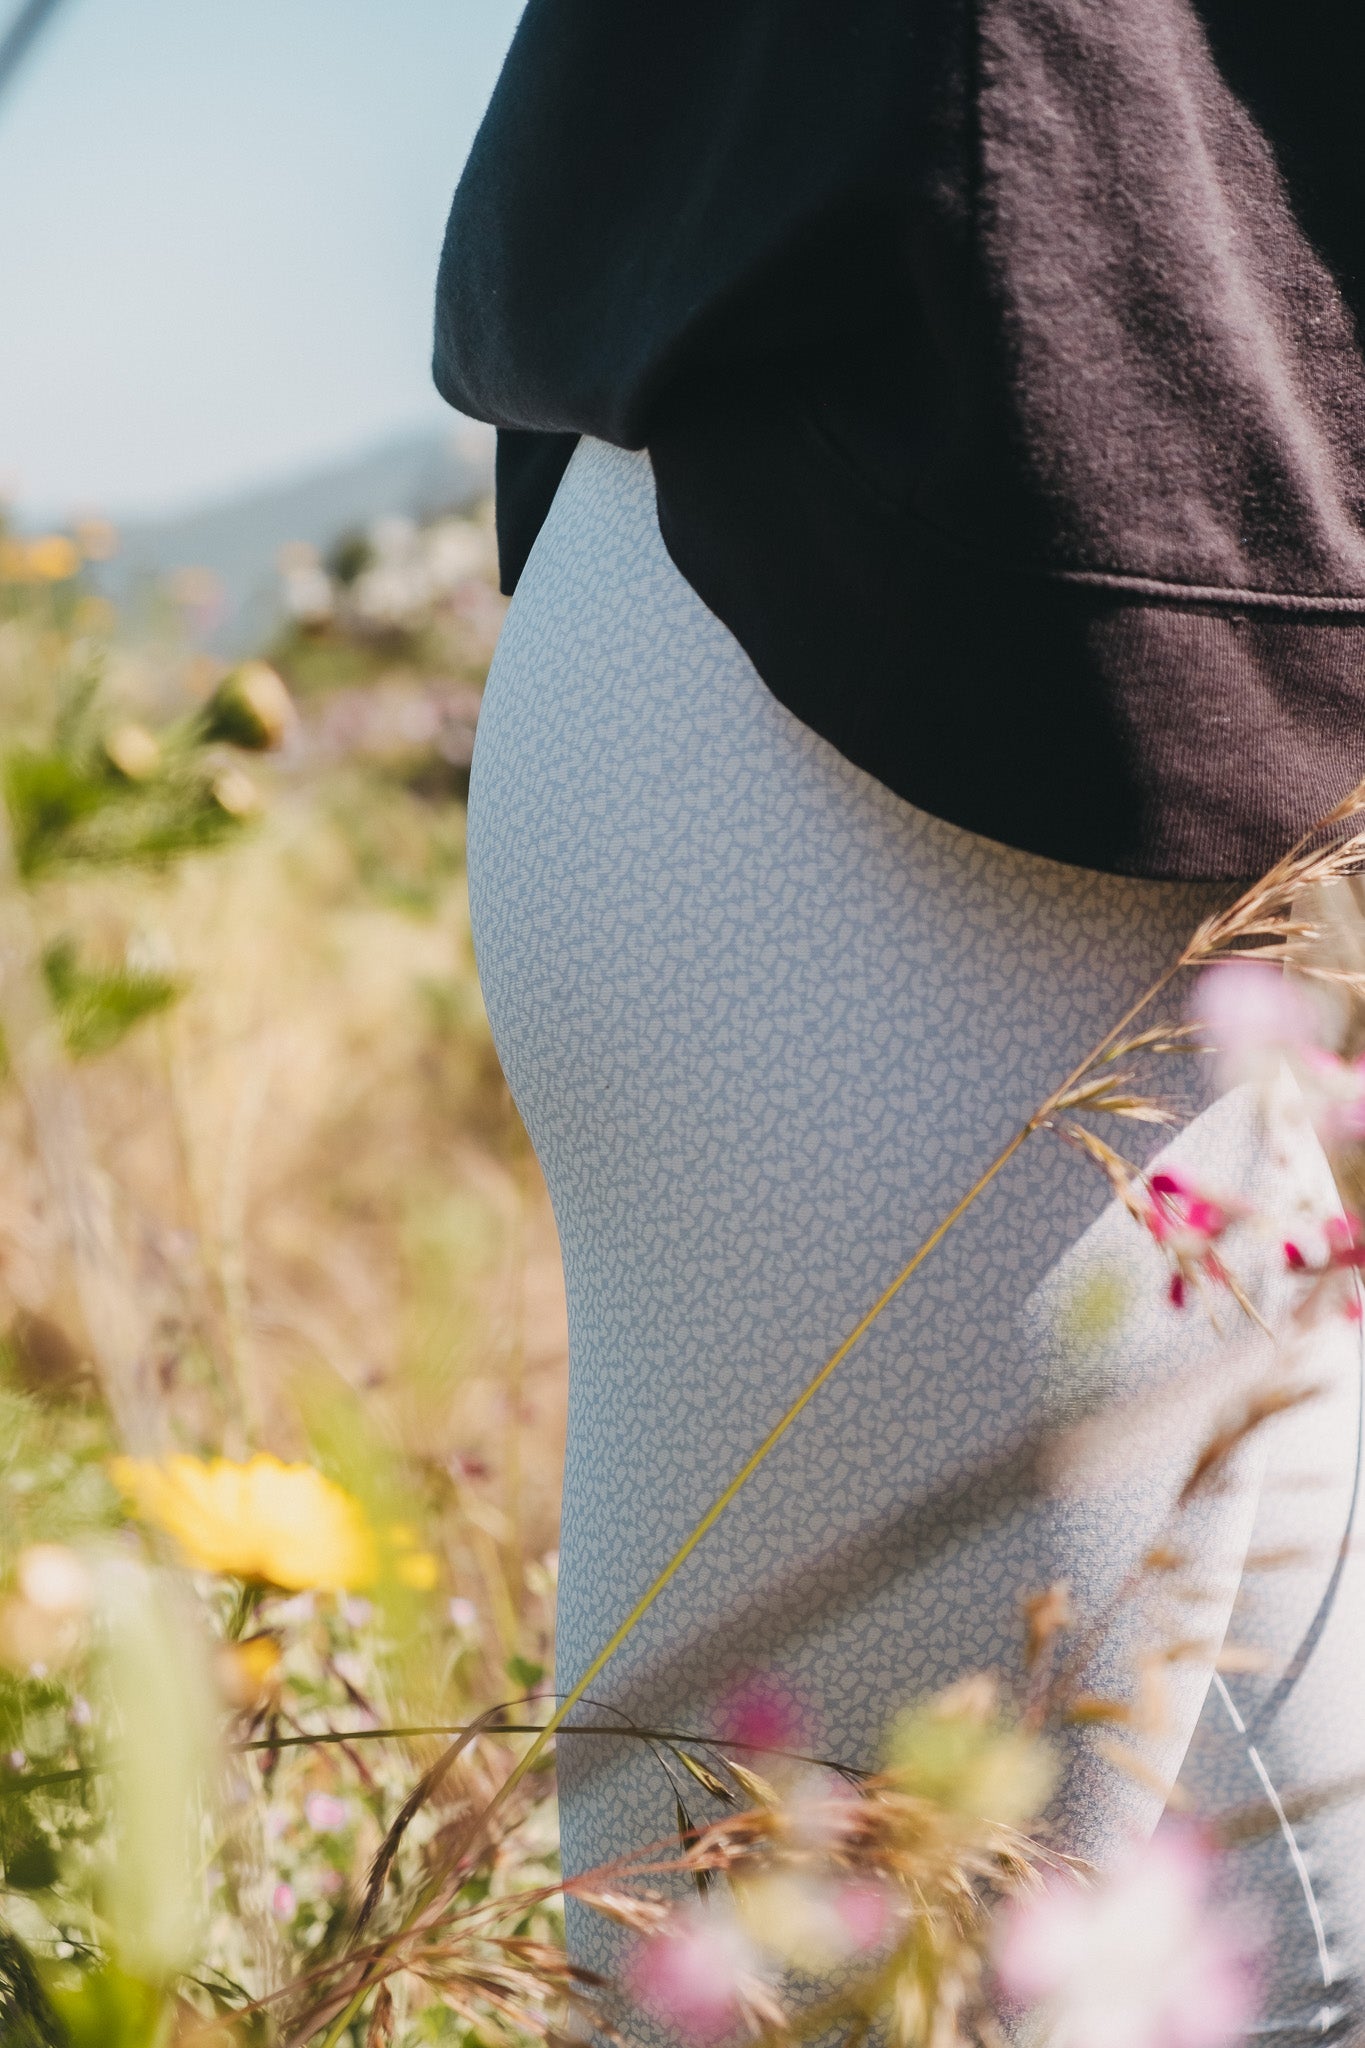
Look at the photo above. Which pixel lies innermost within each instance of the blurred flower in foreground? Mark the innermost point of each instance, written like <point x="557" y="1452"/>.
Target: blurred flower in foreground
<point x="701" y="1973"/>
<point x="1251" y="1015"/>
<point x="761" y="1713"/>
<point x="412" y="1566"/>
<point x="1254" y="1017"/>
<point x="1334" y="1264"/>
<point x="957" y="1750"/>
<point x="51" y="558"/>
<point x="1187" y="1225"/>
<point x="247" y="1672"/>
<point x="1334" y="1090"/>
<point x="285" y="1525"/>
<point x="325" y="1813"/>
<point x="1142" y="1959"/>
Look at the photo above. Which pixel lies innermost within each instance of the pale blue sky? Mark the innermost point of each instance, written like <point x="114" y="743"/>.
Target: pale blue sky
<point x="219" y="225"/>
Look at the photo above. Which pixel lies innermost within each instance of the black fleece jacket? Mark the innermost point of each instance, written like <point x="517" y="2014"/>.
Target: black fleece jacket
<point x="1000" y="364"/>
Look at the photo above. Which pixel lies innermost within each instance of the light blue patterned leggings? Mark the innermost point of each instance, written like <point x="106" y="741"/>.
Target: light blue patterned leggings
<point x="765" y="1022"/>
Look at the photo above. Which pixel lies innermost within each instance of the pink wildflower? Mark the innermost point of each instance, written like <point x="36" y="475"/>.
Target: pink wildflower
<point x="1143" y="1959"/>
<point x="696" y="1973"/>
<point x="1335" y="1093"/>
<point x="283" y="1904"/>
<point x="761" y="1713"/>
<point x="1342" y="1254"/>
<point x="325" y="1813"/>
<point x="1251" y="1014"/>
<point x="1344" y="1248"/>
<point x="1187" y="1225"/>
<point x="863" y="1911"/>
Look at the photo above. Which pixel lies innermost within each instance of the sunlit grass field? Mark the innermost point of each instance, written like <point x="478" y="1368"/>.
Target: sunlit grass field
<point x="251" y="985"/>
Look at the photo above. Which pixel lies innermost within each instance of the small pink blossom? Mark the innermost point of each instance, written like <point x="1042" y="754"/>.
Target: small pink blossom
<point x="1142" y="1959"/>
<point x="1332" y="1264"/>
<point x="1334" y="1090"/>
<point x="864" y="1913"/>
<point x="325" y="1813"/>
<point x="283" y="1904"/>
<point x="696" y="1973"/>
<point x="1344" y="1248"/>
<point x="1251" y="1014"/>
<point x="762" y="1713"/>
<point x="1187" y="1225"/>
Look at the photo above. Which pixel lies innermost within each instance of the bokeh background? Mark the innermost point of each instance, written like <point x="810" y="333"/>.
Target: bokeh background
<point x="262" y="1187"/>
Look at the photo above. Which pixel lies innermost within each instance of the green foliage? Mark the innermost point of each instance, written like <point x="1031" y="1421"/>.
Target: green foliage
<point x="53" y="1486"/>
<point x="97" y="1008"/>
<point x="31" y="1863"/>
<point x="107" y="2008"/>
<point x="26" y="2016"/>
<point x="68" y="813"/>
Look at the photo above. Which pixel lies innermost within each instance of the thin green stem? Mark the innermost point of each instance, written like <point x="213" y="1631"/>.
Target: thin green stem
<point x="344" y="2018"/>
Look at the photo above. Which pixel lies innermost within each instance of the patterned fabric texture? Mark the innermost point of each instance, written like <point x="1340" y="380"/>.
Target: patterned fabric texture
<point x="765" y="1023"/>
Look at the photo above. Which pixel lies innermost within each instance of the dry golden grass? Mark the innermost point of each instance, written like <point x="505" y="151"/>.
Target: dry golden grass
<point x="317" y="1169"/>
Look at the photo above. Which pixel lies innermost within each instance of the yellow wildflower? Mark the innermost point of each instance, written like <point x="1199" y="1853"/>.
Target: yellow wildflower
<point x="247" y="1672"/>
<point x="286" y="1525"/>
<point x="418" y="1570"/>
<point x="51" y="558"/>
<point x="412" y="1566"/>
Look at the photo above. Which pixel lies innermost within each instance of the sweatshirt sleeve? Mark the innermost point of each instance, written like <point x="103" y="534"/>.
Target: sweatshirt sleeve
<point x="664" y="187"/>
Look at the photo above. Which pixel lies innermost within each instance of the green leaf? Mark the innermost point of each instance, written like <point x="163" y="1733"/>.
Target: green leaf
<point x="107" y="2008"/>
<point x="47" y="795"/>
<point x="26" y="2018"/>
<point x="524" y="1673"/>
<point x="31" y="1864"/>
<point x="98" y="1009"/>
<point x="72" y="811"/>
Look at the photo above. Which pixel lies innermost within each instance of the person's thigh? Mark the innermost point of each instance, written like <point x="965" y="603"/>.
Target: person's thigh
<point x="766" y="1023"/>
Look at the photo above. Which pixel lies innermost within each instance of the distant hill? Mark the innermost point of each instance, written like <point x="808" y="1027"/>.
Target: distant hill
<point x="239" y="538"/>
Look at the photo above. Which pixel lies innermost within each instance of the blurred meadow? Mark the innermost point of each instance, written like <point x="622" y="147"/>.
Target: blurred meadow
<point x="264" y="1191"/>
